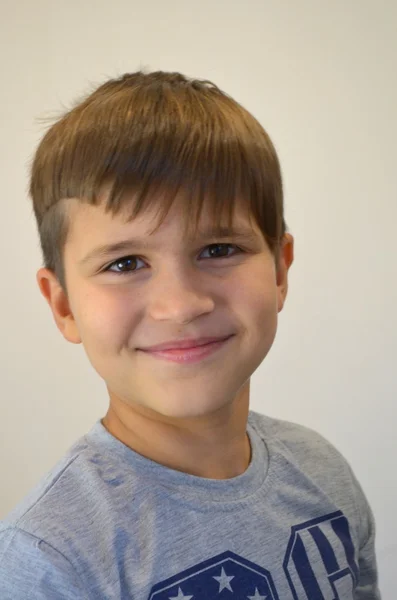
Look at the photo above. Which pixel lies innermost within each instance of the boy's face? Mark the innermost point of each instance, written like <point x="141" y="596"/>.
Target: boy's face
<point x="174" y="289"/>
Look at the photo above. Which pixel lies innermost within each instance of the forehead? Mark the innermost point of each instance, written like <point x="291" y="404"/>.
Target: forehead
<point x="93" y="221"/>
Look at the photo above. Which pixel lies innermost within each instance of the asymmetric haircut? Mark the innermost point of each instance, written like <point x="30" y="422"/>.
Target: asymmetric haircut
<point x="147" y="137"/>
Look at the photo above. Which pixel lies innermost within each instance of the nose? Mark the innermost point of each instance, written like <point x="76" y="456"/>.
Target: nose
<point x="179" y="297"/>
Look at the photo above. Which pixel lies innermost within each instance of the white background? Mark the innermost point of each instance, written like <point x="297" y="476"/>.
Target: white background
<point x="321" y="77"/>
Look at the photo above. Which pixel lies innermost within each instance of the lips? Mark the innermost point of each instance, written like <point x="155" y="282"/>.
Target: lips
<point x="192" y="355"/>
<point x="184" y="344"/>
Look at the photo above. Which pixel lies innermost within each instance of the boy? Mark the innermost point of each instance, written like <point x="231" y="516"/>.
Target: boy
<point x="180" y="491"/>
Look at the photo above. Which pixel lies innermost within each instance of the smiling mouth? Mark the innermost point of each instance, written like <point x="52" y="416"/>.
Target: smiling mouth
<point x="188" y="355"/>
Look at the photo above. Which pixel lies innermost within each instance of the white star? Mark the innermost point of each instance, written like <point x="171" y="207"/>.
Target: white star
<point x="181" y="596"/>
<point x="257" y="596"/>
<point x="224" y="581"/>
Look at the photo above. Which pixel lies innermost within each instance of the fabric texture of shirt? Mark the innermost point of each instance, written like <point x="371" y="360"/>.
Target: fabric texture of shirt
<point x="108" y="523"/>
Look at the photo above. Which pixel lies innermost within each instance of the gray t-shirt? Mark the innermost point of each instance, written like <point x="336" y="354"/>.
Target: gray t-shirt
<point x="108" y="523"/>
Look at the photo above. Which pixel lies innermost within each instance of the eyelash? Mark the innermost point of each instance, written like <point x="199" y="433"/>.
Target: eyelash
<point x="123" y="258"/>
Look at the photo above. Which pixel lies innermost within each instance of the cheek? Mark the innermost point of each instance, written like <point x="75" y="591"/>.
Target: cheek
<point x="265" y="317"/>
<point x="257" y="303"/>
<point x="104" y="321"/>
<point x="257" y="293"/>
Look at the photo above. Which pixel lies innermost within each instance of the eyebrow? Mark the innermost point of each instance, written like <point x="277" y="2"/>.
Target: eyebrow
<point x="107" y="250"/>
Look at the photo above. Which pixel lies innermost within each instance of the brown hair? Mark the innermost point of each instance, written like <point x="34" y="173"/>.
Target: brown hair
<point x="151" y="132"/>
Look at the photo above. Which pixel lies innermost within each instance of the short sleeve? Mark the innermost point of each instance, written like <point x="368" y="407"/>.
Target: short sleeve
<point x="31" y="569"/>
<point x="367" y="588"/>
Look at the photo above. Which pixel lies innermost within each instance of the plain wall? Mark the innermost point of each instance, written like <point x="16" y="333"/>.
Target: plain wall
<point x="321" y="78"/>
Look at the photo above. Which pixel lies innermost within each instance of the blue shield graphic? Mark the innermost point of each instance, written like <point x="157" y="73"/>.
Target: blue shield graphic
<point x="219" y="577"/>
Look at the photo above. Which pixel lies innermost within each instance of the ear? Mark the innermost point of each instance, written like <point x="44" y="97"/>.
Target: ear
<point x="58" y="301"/>
<point x="286" y="258"/>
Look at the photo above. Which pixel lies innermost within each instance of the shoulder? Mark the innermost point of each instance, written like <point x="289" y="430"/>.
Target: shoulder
<point x="306" y="448"/>
<point x="41" y="538"/>
<point x="293" y="436"/>
<point x="54" y="503"/>
<point x="29" y="567"/>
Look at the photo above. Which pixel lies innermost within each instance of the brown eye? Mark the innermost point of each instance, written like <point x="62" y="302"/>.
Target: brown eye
<point x="123" y="265"/>
<point x="215" y="254"/>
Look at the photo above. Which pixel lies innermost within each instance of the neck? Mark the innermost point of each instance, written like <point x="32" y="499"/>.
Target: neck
<point x="216" y="449"/>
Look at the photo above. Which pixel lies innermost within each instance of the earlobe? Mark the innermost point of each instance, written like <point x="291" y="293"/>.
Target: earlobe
<point x="59" y="304"/>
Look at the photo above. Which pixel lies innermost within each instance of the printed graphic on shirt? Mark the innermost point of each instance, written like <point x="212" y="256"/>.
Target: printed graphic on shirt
<point x="319" y="565"/>
<point x="222" y="576"/>
<point x="319" y="561"/>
